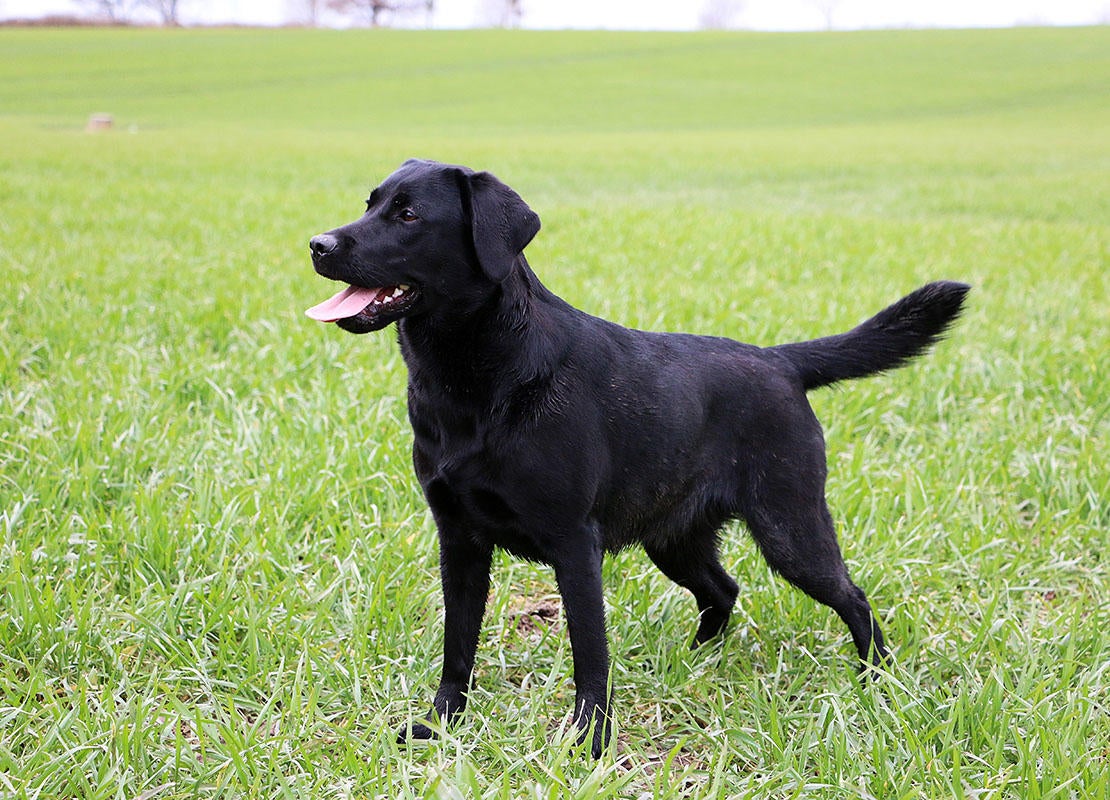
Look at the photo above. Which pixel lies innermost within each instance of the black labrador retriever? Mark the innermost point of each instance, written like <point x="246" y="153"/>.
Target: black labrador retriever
<point x="558" y="436"/>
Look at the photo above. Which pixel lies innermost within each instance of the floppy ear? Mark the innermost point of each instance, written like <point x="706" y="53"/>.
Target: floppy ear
<point x="501" y="223"/>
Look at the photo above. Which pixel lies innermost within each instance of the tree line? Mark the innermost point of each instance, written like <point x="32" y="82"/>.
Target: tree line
<point x="375" y="13"/>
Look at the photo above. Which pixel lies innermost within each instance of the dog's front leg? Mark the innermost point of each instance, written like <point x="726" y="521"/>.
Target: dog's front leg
<point x="464" y="572"/>
<point x="578" y="573"/>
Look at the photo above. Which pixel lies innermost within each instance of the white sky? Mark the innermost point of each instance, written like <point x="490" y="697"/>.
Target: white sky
<point x="659" y="14"/>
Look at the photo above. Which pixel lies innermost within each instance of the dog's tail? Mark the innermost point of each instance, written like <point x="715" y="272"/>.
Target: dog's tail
<point x="890" y="339"/>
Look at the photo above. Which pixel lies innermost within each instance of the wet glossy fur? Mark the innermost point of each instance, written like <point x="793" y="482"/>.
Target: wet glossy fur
<point x="558" y="436"/>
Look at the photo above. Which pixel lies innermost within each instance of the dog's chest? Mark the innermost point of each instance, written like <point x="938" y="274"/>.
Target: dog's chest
<point x="475" y="483"/>
<point x="457" y="467"/>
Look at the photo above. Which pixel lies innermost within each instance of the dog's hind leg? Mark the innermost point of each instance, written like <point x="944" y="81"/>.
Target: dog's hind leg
<point x="692" y="563"/>
<point x="800" y="544"/>
<point x="790" y="521"/>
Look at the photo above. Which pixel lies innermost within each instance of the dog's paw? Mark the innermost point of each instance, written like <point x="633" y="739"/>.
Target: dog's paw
<point x="593" y="729"/>
<point x="597" y="736"/>
<point x="873" y="670"/>
<point x="415" y="732"/>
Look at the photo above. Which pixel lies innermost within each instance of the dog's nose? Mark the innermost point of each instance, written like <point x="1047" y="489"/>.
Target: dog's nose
<point x="323" y="244"/>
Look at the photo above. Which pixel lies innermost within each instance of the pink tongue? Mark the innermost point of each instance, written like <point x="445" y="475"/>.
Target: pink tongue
<point x="345" y="304"/>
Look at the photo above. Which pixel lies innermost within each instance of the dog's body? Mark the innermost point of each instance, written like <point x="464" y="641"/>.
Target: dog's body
<point x="558" y="436"/>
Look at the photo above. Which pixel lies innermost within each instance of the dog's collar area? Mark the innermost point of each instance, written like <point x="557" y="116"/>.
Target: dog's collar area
<point x="357" y="300"/>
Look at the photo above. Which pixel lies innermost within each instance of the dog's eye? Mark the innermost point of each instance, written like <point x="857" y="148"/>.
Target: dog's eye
<point x="407" y="215"/>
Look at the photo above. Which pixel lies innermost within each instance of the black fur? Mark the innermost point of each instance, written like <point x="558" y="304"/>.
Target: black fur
<point x="558" y="436"/>
<point x="890" y="339"/>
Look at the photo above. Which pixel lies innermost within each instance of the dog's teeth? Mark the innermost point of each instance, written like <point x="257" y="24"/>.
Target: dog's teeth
<point x="403" y="287"/>
<point x="397" y="292"/>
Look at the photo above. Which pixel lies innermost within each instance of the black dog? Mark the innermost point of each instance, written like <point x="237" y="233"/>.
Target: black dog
<point x="558" y="436"/>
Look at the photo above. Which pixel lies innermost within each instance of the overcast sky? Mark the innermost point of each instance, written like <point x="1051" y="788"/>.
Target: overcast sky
<point x="659" y="14"/>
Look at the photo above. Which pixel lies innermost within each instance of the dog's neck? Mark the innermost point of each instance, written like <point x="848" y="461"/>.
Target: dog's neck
<point x="507" y="341"/>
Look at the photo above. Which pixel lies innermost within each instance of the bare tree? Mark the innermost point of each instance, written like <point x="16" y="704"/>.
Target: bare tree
<point x="168" y="10"/>
<point x="828" y="11"/>
<point x="719" y="14"/>
<point x="502" y="13"/>
<point x="370" y="10"/>
<point x="111" y="10"/>
<point x="375" y="12"/>
<point x="304" y="12"/>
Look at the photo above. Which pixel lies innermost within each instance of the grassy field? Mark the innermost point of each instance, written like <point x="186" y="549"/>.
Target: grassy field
<point x="217" y="575"/>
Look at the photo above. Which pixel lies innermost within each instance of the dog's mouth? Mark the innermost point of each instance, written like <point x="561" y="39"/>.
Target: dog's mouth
<point x="359" y="309"/>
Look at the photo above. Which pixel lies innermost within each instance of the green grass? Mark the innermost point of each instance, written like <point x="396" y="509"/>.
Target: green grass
<point x="217" y="575"/>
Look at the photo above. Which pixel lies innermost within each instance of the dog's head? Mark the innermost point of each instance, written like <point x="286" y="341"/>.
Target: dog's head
<point x="435" y="238"/>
